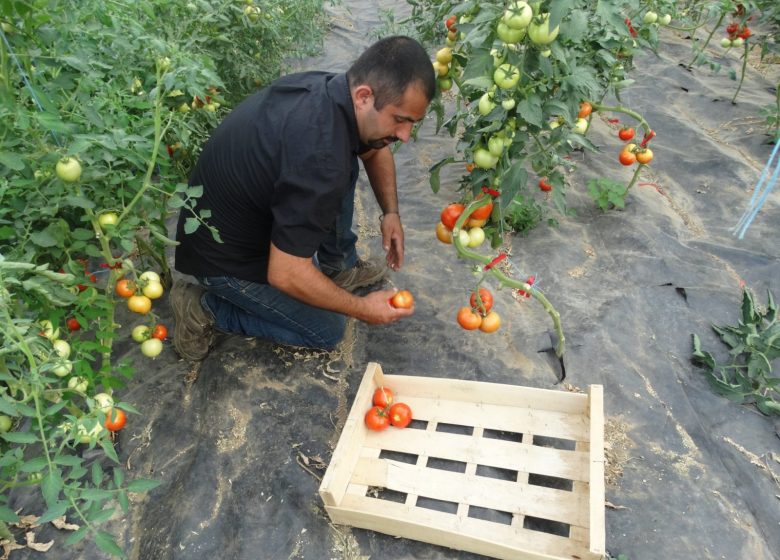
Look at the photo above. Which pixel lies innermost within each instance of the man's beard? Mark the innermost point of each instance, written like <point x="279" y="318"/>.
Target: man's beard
<point x="382" y="142"/>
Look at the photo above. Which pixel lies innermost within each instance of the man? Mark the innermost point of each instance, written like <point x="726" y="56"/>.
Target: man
<point x="279" y="176"/>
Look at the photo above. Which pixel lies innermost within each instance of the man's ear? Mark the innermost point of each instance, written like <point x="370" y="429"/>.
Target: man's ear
<point x="363" y="94"/>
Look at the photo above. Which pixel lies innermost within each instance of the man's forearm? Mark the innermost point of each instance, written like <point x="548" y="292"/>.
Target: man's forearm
<point x="380" y="168"/>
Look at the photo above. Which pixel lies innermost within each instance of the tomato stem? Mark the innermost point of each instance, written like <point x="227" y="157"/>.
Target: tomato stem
<point x="626" y="111"/>
<point x="503" y="279"/>
<point x="742" y="75"/>
<point x="698" y="52"/>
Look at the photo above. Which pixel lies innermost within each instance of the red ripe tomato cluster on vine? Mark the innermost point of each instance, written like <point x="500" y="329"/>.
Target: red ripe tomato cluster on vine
<point x="386" y="411"/>
<point x="479" y="314"/>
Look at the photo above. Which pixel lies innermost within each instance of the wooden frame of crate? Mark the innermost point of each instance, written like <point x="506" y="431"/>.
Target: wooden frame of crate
<point x="500" y="470"/>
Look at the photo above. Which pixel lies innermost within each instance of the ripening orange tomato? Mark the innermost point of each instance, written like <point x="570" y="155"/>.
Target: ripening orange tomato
<point x="443" y="234"/>
<point x="125" y="288"/>
<point x="490" y="322"/>
<point x="469" y="319"/>
<point x="402" y="299"/>
<point x="139" y="304"/>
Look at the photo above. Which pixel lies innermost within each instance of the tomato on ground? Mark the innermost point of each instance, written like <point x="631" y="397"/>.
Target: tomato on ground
<point x="487" y="301"/>
<point x="400" y="415"/>
<point x="376" y="419"/>
<point x="469" y="319"/>
<point x="383" y="397"/>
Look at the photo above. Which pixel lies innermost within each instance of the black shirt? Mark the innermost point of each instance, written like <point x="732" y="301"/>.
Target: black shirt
<point x="275" y="170"/>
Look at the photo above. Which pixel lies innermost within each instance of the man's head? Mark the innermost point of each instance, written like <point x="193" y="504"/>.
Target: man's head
<point x="392" y="84"/>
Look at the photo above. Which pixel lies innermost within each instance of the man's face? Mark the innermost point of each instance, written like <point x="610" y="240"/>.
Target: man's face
<point x="378" y="129"/>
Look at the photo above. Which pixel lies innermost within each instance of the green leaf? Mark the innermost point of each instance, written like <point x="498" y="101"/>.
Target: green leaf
<point x="123" y="500"/>
<point x="8" y="515"/>
<point x="107" y="544"/>
<point x="142" y="485"/>
<point x="97" y="474"/>
<point x="530" y="109"/>
<point x="76" y="536"/>
<point x="96" y="494"/>
<point x="435" y="171"/>
<point x="191" y="225"/>
<point x="51" y="486"/>
<point x="7" y="408"/>
<point x="12" y="161"/>
<point x="68" y="460"/>
<point x="19" y="437"/>
<point x="78" y="202"/>
<point x="34" y="465"/>
<point x="57" y="510"/>
<point x="108" y="449"/>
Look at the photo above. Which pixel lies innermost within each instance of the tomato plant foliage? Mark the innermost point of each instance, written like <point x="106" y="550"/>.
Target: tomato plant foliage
<point x="103" y="108"/>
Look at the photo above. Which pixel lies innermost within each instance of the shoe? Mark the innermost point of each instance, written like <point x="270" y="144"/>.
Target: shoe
<point x="193" y="331"/>
<point x="364" y="273"/>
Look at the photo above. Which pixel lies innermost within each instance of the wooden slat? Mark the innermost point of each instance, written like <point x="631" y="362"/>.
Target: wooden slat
<point x="522" y="457"/>
<point x="473" y="535"/>
<point x="490" y="493"/>
<point x="597" y="491"/>
<point x="499" y="417"/>
<point x="446" y="388"/>
<point x="334" y="482"/>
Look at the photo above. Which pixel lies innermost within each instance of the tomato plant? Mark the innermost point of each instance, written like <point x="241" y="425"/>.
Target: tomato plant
<point x="376" y="418"/>
<point x="400" y="415"/>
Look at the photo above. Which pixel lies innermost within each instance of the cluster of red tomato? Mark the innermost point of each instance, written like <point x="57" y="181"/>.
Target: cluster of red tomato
<point x="479" y="314"/>
<point x="385" y="411"/>
<point x="471" y="234"/>
<point x="737" y="35"/>
<point x="635" y="153"/>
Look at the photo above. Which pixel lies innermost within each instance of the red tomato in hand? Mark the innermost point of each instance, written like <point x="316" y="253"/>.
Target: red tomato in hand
<point x="160" y="332"/>
<point x="450" y="215"/>
<point x="487" y="301"/>
<point x="400" y="415"/>
<point x="115" y="419"/>
<point x="402" y="299"/>
<point x="376" y="419"/>
<point x="383" y="397"/>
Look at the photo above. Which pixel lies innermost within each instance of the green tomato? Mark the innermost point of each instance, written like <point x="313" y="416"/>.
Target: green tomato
<point x="518" y="15"/>
<point x="665" y="19"/>
<point x="508" y="104"/>
<point x="546" y="53"/>
<point x="506" y="76"/>
<point x="68" y="169"/>
<point x="63" y="368"/>
<point x="725" y="42"/>
<point x="484" y="159"/>
<point x="141" y="333"/>
<point x="509" y="35"/>
<point x="78" y="384"/>
<point x="581" y="126"/>
<point x="103" y="401"/>
<point x="5" y="423"/>
<point x="49" y="331"/>
<point x="445" y="84"/>
<point x="107" y="219"/>
<point x="151" y="348"/>
<point x="496" y="146"/>
<point x="540" y="32"/>
<point x="476" y="236"/>
<point x="463" y="237"/>
<point x="62" y="348"/>
<point x="738" y="42"/>
<point x="650" y="17"/>
<point x="485" y="104"/>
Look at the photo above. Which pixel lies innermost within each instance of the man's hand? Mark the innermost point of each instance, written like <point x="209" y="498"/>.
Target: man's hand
<point x="378" y="311"/>
<point x="393" y="240"/>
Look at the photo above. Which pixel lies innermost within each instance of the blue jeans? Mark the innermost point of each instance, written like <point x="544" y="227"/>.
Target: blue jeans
<point x="254" y="309"/>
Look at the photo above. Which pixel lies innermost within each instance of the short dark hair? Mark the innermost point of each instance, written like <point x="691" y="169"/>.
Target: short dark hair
<point x="389" y="66"/>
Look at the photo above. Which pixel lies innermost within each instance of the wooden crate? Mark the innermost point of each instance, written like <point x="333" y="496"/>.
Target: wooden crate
<point x="500" y="470"/>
